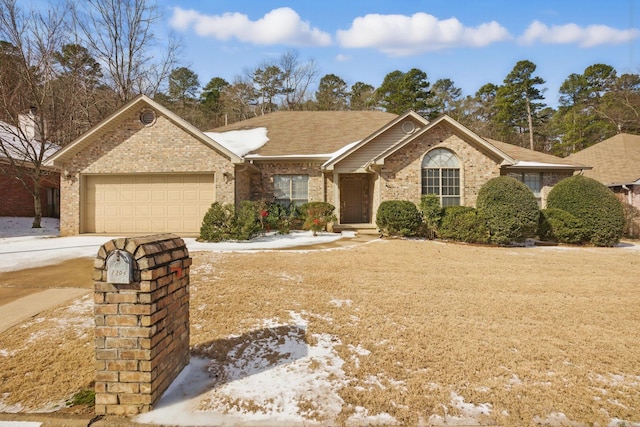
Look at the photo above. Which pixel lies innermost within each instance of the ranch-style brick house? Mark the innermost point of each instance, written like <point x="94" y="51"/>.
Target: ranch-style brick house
<point x="146" y="170"/>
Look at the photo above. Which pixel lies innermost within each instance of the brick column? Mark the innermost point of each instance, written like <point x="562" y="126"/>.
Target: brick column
<point x="142" y="327"/>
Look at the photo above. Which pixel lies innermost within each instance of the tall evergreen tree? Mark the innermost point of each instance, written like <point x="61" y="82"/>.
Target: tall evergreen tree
<point x="517" y="109"/>
<point x="401" y="92"/>
<point x="447" y="97"/>
<point x="332" y="93"/>
<point x="361" y="96"/>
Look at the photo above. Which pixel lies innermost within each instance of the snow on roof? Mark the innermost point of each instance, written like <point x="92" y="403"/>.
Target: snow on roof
<point x="241" y="142"/>
<point x="19" y="148"/>
<point x="525" y="164"/>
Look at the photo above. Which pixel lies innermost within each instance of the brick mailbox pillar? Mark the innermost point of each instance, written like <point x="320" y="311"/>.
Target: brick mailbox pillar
<point x="141" y="294"/>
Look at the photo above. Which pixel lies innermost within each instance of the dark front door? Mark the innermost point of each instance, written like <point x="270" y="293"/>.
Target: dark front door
<point x="353" y="193"/>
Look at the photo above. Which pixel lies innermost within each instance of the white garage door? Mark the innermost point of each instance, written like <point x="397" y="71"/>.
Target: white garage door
<point x="147" y="203"/>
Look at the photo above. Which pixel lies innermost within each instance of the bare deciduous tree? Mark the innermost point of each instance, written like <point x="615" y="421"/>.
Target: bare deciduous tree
<point x="297" y="79"/>
<point x="31" y="103"/>
<point x="120" y="35"/>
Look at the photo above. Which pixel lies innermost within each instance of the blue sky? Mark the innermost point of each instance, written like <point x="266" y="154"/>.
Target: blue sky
<point x="472" y="42"/>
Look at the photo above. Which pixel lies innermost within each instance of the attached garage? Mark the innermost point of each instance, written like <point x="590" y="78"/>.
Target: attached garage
<point x="145" y="203"/>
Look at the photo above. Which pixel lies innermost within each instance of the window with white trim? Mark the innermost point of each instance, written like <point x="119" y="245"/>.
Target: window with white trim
<point x="291" y="189"/>
<point x="441" y="176"/>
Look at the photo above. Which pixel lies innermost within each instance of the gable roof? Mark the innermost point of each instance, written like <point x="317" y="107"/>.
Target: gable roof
<point x="439" y="120"/>
<point x="311" y="133"/>
<point x="348" y="150"/>
<point x="510" y="155"/>
<point x="137" y="103"/>
<point x="615" y="161"/>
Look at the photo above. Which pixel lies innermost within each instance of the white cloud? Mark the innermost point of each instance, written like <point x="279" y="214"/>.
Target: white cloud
<point x="593" y="35"/>
<point x="341" y="57"/>
<point x="280" y="26"/>
<point x="401" y="35"/>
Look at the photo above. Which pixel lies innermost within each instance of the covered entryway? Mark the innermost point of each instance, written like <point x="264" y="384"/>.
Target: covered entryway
<point x="146" y="203"/>
<point x="355" y="199"/>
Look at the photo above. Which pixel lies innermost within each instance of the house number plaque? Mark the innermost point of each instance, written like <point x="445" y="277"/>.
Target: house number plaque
<point x="119" y="268"/>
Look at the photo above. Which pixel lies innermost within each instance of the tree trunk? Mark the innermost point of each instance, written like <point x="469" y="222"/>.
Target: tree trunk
<point x="37" y="206"/>
<point x="530" y="119"/>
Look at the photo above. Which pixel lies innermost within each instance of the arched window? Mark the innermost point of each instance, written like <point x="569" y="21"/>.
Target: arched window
<point x="441" y="176"/>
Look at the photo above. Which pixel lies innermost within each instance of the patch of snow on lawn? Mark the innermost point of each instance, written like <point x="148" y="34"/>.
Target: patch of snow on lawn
<point x="19" y="424"/>
<point x="558" y="419"/>
<point x="469" y="413"/>
<point x="76" y="317"/>
<point x="361" y="417"/>
<point x="267" y="381"/>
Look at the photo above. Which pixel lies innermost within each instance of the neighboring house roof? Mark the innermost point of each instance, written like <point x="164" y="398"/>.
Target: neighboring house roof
<point x="615" y="161"/>
<point x="21" y="149"/>
<point x="530" y="159"/>
<point x="311" y="133"/>
<point x="137" y="103"/>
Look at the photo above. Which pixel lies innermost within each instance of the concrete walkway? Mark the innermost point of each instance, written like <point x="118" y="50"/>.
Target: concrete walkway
<point x="26" y="307"/>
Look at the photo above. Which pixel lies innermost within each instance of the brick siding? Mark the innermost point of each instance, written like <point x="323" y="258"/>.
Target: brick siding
<point x="18" y="201"/>
<point x="130" y="147"/>
<point x="142" y="328"/>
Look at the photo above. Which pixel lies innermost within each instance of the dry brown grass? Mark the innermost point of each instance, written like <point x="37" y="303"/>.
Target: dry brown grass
<point x="530" y="331"/>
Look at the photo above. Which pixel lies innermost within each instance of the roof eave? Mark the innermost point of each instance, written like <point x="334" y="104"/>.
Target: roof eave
<point x="289" y="157"/>
<point x="546" y="166"/>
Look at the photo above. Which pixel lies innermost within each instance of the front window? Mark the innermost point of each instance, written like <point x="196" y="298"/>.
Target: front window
<point x="533" y="180"/>
<point x="291" y="189"/>
<point x="441" y="176"/>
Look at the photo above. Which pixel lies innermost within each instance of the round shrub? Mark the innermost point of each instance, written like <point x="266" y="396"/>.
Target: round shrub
<point x="592" y="203"/>
<point x="463" y="224"/>
<point x="317" y="215"/>
<point x="509" y="210"/>
<point x="560" y="226"/>
<point x="398" y="218"/>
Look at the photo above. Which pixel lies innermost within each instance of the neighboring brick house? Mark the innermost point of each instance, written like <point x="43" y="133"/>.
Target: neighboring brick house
<point x="16" y="199"/>
<point x="144" y="169"/>
<point x="615" y="163"/>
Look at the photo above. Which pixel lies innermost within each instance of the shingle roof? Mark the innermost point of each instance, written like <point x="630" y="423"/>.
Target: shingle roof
<point x="526" y="155"/>
<point x="312" y="132"/>
<point x="615" y="160"/>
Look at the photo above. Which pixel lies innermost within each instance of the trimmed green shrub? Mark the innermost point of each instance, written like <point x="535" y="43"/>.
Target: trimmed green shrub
<point x="560" y="226"/>
<point x="218" y="223"/>
<point x="247" y="225"/>
<point x="463" y="224"/>
<point x="317" y="215"/>
<point x="398" y="218"/>
<point x="274" y="216"/>
<point x="431" y="214"/>
<point x="222" y="222"/>
<point x="592" y="203"/>
<point x="509" y="210"/>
